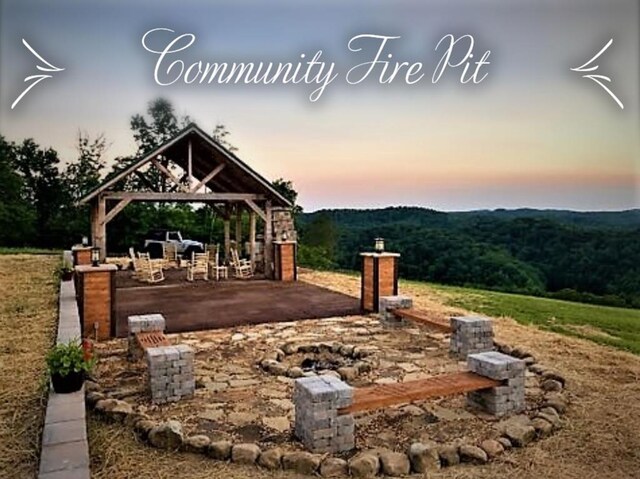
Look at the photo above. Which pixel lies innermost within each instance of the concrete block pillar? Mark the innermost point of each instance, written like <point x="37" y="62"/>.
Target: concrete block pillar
<point x="508" y="398"/>
<point x="379" y="278"/>
<point x="470" y="334"/>
<point x="96" y="287"/>
<point x="387" y="304"/>
<point x="171" y="373"/>
<point x="285" y="263"/>
<point x="142" y="324"/>
<point x="317" y="423"/>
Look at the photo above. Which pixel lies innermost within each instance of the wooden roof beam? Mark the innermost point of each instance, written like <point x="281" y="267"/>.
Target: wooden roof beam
<point x="165" y="171"/>
<point x="208" y="178"/>
<point x="257" y="209"/>
<point x="180" y="196"/>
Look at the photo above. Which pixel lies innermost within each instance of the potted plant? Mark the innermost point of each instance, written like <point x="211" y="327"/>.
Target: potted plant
<point x="68" y="363"/>
<point x="66" y="271"/>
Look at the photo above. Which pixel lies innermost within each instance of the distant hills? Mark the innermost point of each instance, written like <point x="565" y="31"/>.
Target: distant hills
<point x="584" y="256"/>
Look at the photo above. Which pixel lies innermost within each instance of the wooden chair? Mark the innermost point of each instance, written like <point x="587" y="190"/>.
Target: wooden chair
<point x="218" y="271"/>
<point x="241" y="267"/>
<point x="170" y="255"/>
<point x="198" y="266"/>
<point x="148" y="271"/>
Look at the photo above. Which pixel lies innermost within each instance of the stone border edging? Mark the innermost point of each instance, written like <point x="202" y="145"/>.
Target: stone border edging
<point x="272" y="363"/>
<point x="65" y="449"/>
<point x="540" y="422"/>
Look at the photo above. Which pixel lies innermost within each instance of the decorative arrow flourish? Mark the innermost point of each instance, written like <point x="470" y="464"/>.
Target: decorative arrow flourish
<point x="35" y="79"/>
<point x="598" y="78"/>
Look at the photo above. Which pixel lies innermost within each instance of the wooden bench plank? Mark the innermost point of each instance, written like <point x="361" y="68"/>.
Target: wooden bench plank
<point x="421" y="317"/>
<point x="152" y="339"/>
<point x="379" y="396"/>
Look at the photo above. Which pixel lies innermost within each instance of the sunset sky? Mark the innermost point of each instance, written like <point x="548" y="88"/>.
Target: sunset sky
<point x="533" y="134"/>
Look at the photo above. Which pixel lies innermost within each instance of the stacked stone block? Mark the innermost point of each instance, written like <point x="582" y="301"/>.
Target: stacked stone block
<point x="507" y="398"/>
<point x="317" y="423"/>
<point x="142" y="324"/>
<point x="171" y="374"/>
<point x="469" y="335"/>
<point x="388" y="303"/>
<point x="283" y="225"/>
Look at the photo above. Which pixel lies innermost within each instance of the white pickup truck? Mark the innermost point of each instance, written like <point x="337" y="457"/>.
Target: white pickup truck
<point x="153" y="245"/>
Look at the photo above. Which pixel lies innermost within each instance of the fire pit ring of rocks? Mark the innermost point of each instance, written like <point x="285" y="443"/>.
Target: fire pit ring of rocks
<point x="344" y="361"/>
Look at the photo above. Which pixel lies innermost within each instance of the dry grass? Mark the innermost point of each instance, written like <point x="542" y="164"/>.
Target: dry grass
<point x="28" y="310"/>
<point x="600" y="438"/>
<point x="117" y="454"/>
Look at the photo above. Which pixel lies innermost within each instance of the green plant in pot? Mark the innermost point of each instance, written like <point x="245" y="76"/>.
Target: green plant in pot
<point x="66" y="271"/>
<point x="68" y="364"/>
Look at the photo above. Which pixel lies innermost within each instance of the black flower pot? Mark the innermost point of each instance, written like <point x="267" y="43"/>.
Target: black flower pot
<point x="67" y="276"/>
<point x="70" y="383"/>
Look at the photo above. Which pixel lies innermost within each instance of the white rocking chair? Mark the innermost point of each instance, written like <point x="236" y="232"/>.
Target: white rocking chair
<point x="241" y="267"/>
<point x="148" y="270"/>
<point x="198" y="266"/>
<point x="217" y="271"/>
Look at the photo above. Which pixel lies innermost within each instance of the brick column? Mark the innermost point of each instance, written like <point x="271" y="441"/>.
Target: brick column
<point x="389" y="303"/>
<point x="285" y="263"/>
<point x="96" y="300"/>
<point x="470" y="334"/>
<point x="317" y="423"/>
<point x="81" y="255"/>
<point x="379" y="278"/>
<point x="171" y="373"/>
<point x="504" y="399"/>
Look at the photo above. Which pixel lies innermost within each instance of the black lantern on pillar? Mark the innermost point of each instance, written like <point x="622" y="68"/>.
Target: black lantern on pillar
<point x="95" y="256"/>
<point x="379" y="246"/>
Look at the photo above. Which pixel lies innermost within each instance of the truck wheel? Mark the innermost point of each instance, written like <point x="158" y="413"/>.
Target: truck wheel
<point x="191" y="249"/>
<point x="155" y="250"/>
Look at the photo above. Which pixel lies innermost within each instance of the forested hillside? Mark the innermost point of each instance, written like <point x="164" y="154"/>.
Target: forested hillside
<point x="593" y="257"/>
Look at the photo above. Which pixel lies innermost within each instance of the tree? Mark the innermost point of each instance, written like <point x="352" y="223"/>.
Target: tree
<point x="150" y="133"/>
<point x="285" y="188"/>
<point x="84" y="174"/>
<point x="43" y="187"/>
<point x="220" y="134"/>
<point x="162" y="125"/>
<point x="17" y="216"/>
<point x="321" y="232"/>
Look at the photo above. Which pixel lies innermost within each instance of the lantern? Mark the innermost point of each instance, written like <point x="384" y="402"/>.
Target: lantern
<point x="379" y="247"/>
<point x="85" y="241"/>
<point x="95" y="256"/>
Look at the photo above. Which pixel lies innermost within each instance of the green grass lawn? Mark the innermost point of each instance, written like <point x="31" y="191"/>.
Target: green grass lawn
<point x="616" y="327"/>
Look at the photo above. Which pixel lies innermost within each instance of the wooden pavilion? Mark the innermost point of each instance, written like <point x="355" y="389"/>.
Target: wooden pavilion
<point x="212" y="175"/>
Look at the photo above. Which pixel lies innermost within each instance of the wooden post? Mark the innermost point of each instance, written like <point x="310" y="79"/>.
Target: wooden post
<point x="239" y="229"/>
<point x="252" y="238"/>
<point x="100" y="239"/>
<point x="94" y="221"/>
<point x="189" y="165"/>
<point x="227" y="236"/>
<point x="268" y="241"/>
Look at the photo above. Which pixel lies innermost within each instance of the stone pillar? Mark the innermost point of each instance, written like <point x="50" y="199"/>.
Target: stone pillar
<point x="286" y="268"/>
<point x="470" y="334"/>
<point x="142" y="324"/>
<point x="379" y="278"/>
<point x="96" y="287"/>
<point x="507" y="398"/>
<point x="81" y="255"/>
<point x="171" y="374"/>
<point x="317" y="423"/>
<point x="388" y="303"/>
